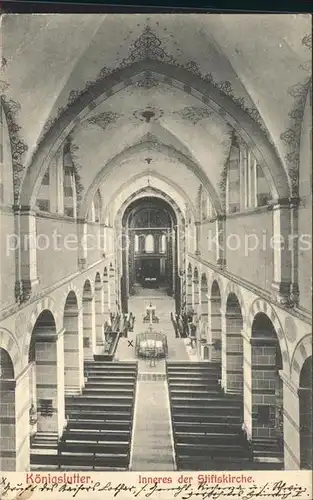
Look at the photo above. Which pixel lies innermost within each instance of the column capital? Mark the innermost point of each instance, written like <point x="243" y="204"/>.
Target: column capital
<point x="25" y="209"/>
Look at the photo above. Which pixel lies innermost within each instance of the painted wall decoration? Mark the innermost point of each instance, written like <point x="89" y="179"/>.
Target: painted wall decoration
<point x="193" y="114"/>
<point x="148" y="46"/>
<point x="103" y="120"/>
<point x="18" y="146"/>
<point x="292" y="135"/>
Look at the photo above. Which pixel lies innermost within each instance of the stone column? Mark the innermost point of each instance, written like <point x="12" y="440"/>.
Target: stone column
<point x="50" y="381"/>
<point x="215" y="329"/>
<point x="291" y="424"/>
<point x="112" y="285"/>
<point x="99" y="309"/>
<point x="82" y="238"/>
<point x="220" y="240"/>
<point x="73" y="352"/>
<point x="106" y="298"/>
<point x="89" y="327"/>
<point x="198" y="237"/>
<point x="233" y="356"/>
<point x="23" y="403"/>
<point x="247" y="384"/>
<point x="25" y="226"/>
<point x="189" y="297"/>
<point x="264" y="373"/>
<point x="281" y="252"/>
<point x="7" y="425"/>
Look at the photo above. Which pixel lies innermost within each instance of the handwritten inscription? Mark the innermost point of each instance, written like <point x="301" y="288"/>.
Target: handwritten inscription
<point x="184" y="491"/>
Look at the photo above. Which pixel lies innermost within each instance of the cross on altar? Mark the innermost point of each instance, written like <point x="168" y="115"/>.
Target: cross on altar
<point x="150" y="311"/>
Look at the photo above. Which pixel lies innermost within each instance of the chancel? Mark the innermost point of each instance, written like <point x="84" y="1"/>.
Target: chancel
<point x="149" y="164"/>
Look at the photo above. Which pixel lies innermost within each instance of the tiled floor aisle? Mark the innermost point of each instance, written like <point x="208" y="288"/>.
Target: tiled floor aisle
<point x="152" y="441"/>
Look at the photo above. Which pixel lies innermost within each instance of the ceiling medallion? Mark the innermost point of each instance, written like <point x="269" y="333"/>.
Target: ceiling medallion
<point x="148" y="114"/>
<point x="193" y="114"/>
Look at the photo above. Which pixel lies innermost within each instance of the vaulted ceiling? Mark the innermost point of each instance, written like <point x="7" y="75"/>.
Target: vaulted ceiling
<point x="50" y="63"/>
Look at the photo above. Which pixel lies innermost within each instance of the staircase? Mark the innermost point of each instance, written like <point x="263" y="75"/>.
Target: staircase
<point x="206" y="423"/>
<point x="99" y="422"/>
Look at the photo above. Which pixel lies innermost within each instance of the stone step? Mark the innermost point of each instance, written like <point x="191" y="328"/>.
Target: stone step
<point x="94" y="436"/>
<point x="86" y="461"/>
<point x="206" y="427"/>
<point x="218" y="401"/>
<point x="206" y="409"/>
<point x="82" y="447"/>
<point x="99" y="399"/>
<point x="108" y="391"/>
<point x="193" y="393"/>
<point x="102" y="416"/>
<point x="187" y="462"/>
<point x="92" y="378"/>
<point x="99" y="425"/>
<point x="211" y="450"/>
<point x="107" y="384"/>
<point x="208" y="438"/>
<point x="180" y="416"/>
<point x="98" y="407"/>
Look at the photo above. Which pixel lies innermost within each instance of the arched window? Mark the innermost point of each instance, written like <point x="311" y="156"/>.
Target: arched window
<point x="149" y="243"/>
<point x="163" y="243"/>
<point x="136" y="243"/>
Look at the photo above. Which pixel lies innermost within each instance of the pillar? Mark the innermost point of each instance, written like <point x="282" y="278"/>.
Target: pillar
<point x="291" y="424"/>
<point x="247" y="384"/>
<point x="189" y="297"/>
<point x="106" y="298"/>
<point x="7" y="425"/>
<point x="89" y="327"/>
<point x="233" y="354"/>
<point x="82" y="237"/>
<point x="112" y="285"/>
<point x="23" y="401"/>
<point x="99" y="303"/>
<point x="25" y="223"/>
<point x="264" y="398"/>
<point x="220" y="240"/>
<point x="73" y="352"/>
<point x="281" y="252"/>
<point x="215" y="330"/>
<point x="50" y="381"/>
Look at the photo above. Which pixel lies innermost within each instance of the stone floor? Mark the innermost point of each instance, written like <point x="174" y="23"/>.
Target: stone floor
<point x="152" y="444"/>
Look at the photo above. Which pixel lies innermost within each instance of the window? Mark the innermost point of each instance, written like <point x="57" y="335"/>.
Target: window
<point x="163" y="243"/>
<point x="136" y="243"/>
<point x="149" y="243"/>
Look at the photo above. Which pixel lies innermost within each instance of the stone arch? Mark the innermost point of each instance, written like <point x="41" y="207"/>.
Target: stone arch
<point x="235" y="289"/>
<point x="158" y="176"/>
<point x="302" y="351"/>
<point x="178" y="78"/>
<point x="9" y="344"/>
<point x="46" y="304"/>
<point x="260" y="305"/>
<point x="70" y="288"/>
<point x="215" y="277"/>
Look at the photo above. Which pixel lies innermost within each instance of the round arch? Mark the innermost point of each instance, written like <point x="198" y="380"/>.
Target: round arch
<point x="9" y="344"/>
<point x="260" y="305"/>
<point x="191" y="164"/>
<point x="46" y="304"/>
<point x="302" y="352"/>
<point x="153" y="174"/>
<point x="177" y="77"/>
<point x="232" y="288"/>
